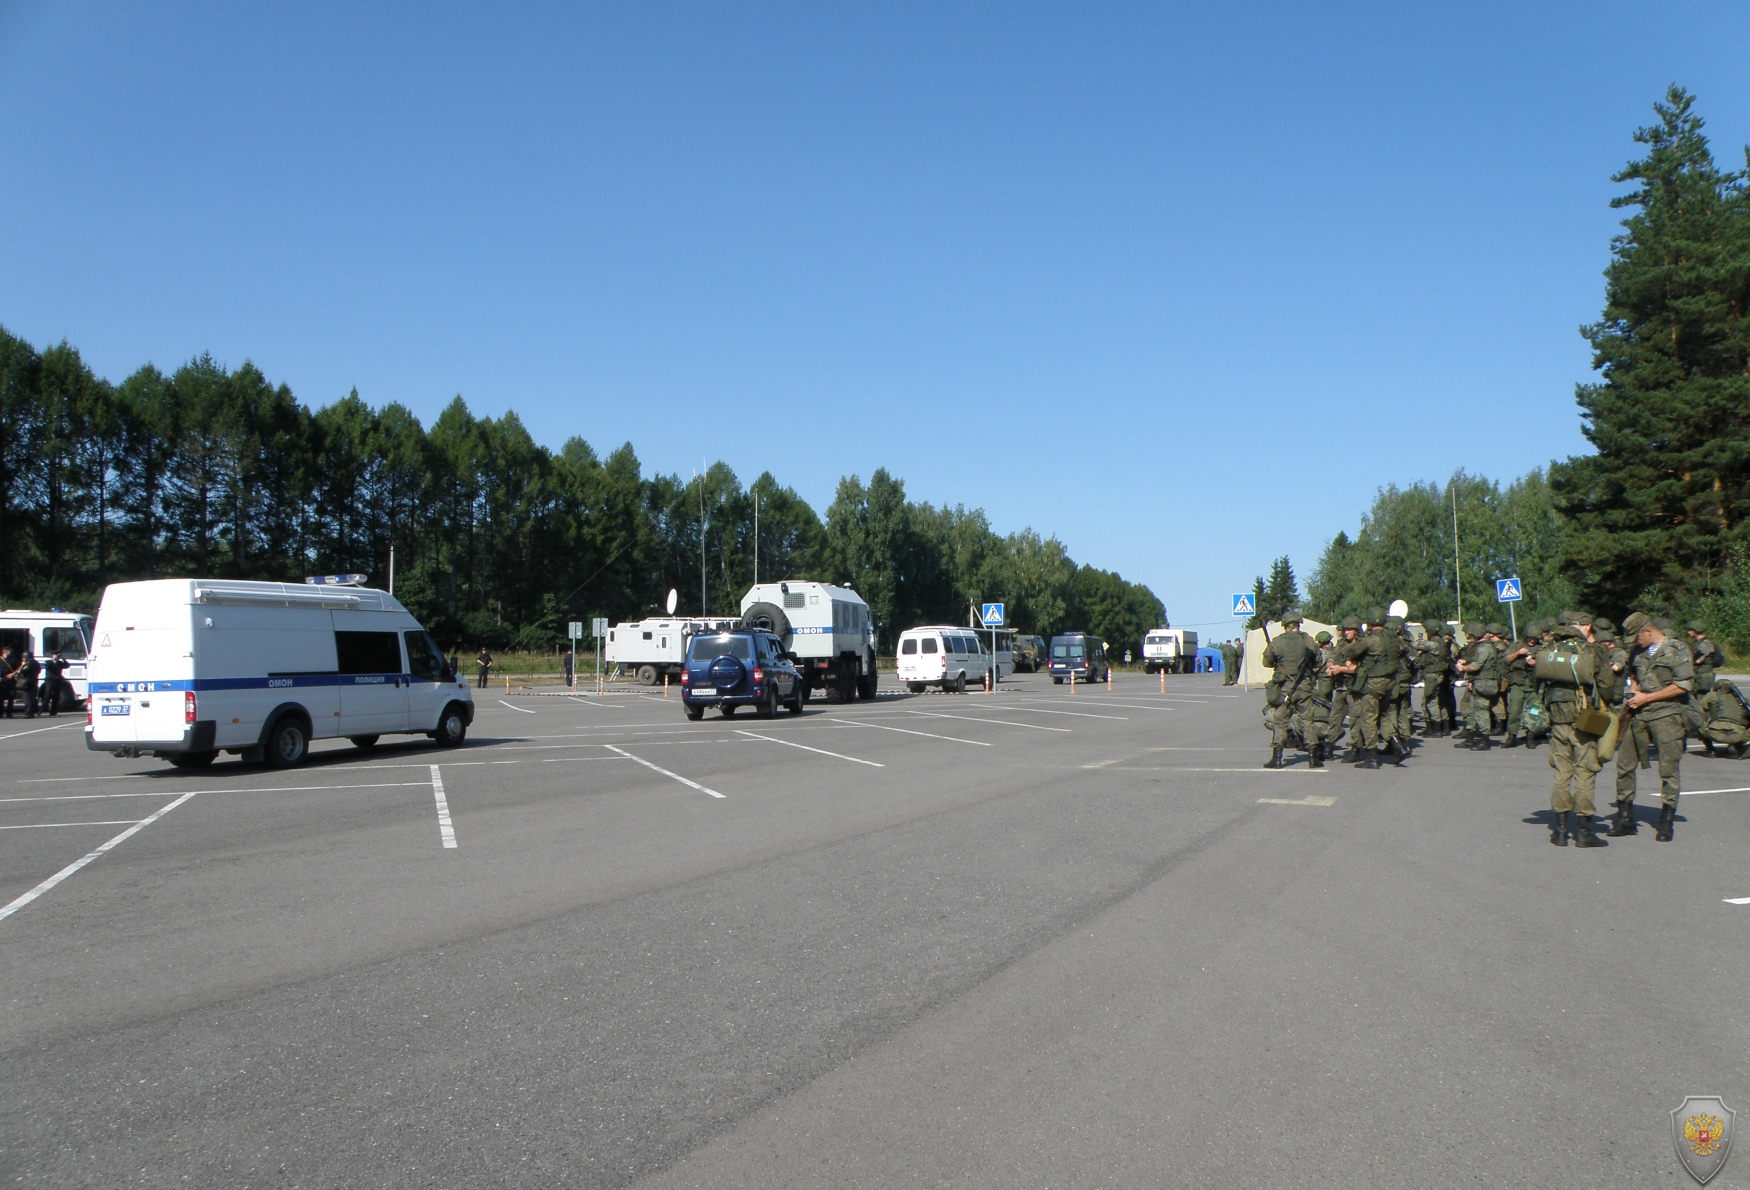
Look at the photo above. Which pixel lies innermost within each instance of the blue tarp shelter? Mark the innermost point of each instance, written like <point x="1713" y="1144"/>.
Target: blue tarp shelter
<point x="1209" y="661"/>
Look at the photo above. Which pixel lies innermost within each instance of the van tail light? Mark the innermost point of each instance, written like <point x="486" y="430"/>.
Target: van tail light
<point x="188" y="708"/>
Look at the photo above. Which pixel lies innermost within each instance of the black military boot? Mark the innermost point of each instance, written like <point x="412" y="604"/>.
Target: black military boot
<point x="1624" y="822"/>
<point x="1482" y="743"/>
<point x="1318" y="756"/>
<point x="1513" y="741"/>
<point x="1275" y="761"/>
<point x="1583" y="836"/>
<point x="1707" y="746"/>
<point x="1368" y="759"/>
<point x="1558" y="834"/>
<point x="1667" y="819"/>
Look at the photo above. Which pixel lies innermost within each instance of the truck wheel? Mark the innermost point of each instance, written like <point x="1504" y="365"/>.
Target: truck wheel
<point x="452" y="728"/>
<point x="288" y="742"/>
<point x="647" y="675"/>
<point x="868" y="684"/>
<point x="768" y="616"/>
<point x="835" y="690"/>
<point x="362" y="741"/>
<point x="192" y="760"/>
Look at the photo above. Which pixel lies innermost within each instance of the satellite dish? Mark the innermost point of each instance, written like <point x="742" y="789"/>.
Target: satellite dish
<point x="673" y="598"/>
<point x="1398" y="608"/>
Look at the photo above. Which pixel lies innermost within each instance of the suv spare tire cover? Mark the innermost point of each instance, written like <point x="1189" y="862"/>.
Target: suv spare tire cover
<point x="726" y="672"/>
<point x="769" y="616"/>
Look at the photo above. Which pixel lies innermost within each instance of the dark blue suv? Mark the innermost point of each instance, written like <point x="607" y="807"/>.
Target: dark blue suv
<point x="744" y="667"/>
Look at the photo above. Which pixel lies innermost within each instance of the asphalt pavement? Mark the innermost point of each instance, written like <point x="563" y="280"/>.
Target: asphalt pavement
<point x="1029" y="938"/>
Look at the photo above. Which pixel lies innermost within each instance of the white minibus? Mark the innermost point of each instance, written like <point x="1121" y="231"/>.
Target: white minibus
<point x="185" y="668"/>
<point x="945" y="656"/>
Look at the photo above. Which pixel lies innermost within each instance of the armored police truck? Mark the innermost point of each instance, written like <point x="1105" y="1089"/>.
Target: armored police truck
<point x="827" y="629"/>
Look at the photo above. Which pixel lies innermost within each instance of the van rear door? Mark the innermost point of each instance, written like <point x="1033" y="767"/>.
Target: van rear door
<point x="144" y="672"/>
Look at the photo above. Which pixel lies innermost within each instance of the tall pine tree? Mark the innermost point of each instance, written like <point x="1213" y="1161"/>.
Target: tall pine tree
<point x="1655" y="511"/>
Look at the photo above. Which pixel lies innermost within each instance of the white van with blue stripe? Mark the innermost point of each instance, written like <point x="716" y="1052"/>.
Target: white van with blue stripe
<point x="187" y="668"/>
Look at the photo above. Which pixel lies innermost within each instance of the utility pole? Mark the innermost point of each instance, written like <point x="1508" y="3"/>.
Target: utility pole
<point x="704" y="605"/>
<point x="756" y="536"/>
<point x="1457" y="578"/>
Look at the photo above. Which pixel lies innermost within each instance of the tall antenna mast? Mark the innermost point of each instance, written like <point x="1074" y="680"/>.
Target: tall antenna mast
<point x="1457" y="579"/>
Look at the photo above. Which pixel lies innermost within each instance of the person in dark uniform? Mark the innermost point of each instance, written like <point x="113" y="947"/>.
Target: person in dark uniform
<point x="28" y="672"/>
<point x="55" y="687"/>
<point x="8" y="682"/>
<point x="570" y="668"/>
<point x="484" y="661"/>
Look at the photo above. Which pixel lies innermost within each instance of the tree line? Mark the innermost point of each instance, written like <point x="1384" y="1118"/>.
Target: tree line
<point x="1657" y="518"/>
<point x="496" y="540"/>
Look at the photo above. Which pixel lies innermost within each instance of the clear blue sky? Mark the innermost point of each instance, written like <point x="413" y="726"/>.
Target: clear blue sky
<point x="1182" y="285"/>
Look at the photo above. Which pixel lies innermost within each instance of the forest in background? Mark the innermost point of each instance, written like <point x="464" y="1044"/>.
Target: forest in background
<point x="1657" y="519"/>
<point x="497" y="540"/>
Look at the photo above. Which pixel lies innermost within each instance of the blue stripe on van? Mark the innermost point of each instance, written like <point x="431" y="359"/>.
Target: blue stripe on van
<point x="287" y="682"/>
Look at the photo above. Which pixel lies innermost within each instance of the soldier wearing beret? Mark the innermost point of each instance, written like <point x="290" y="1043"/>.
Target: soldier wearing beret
<point x="1664" y="676"/>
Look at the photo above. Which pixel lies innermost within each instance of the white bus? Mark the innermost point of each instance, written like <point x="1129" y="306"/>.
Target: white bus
<point x="46" y="633"/>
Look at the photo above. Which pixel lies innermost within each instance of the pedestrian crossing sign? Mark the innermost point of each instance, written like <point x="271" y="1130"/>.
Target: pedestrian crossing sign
<point x="993" y="615"/>
<point x="1507" y="590"/>
<point x="1243" y="605"/>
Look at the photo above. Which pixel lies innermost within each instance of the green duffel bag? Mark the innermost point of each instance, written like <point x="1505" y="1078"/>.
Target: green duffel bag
<point x="1486" y="687"/>
<point x="1273" y="696"/>
<point x="1562" y="664"/>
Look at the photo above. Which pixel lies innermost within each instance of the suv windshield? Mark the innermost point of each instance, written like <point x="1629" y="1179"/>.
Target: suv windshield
<point x="709" y="648"/>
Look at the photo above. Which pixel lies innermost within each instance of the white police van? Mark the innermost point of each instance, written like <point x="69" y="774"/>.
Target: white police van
<point x="44" y="634"/>
<point x="185" y="668"/>
<point x="827" y="630"/>
<point x="947" y="657"/>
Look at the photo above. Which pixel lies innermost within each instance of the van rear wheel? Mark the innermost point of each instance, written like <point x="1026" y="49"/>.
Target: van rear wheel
<point x="288" y="742"/>
<point x="362" y="741"/>
<point x="959" y="686"/>
<point x="192" y="760"/>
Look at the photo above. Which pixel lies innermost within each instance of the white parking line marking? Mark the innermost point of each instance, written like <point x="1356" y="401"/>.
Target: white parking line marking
<point x="658" y="768"/>
<point x="596" y="703"/>
<point x="446" y="831"/>
<point x="1122" y="705"/>
<point x="1076" y="714"/>
<point x="1308" y="800"/>
<point x="88" y="797"/>
<point x="523" y="710"/>
<point x="33" y="826"/>
<point x="1737" y="900"/>
<point x="789" y="744"/>
<point x="69" y="797"/>
<point x="982" y="719"/>
<point x="35" y="730"/>
<point x="909" y="731"/>
<point x="20" y="902"/>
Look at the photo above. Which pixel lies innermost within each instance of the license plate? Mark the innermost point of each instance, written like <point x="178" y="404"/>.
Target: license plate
<point x="117" y="708"/>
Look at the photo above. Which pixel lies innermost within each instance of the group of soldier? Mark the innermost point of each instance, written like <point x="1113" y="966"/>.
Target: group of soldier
<point x="1594" y="691"/>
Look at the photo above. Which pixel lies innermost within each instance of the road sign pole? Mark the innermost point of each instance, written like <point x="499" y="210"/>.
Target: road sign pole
<point x="1512" y="623"/>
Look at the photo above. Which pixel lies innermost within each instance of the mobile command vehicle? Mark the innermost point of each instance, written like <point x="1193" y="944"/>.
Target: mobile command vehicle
<point x="827" y="629"/>
<point x="46" y="633"/>
<point x="186" y="668"/>
<point x="652" y="648"/>
<point x="946" y="657"/>
<point x="1173" y="650"/>
<point x="1081" y="655"/>
<point x="742" y="667"/>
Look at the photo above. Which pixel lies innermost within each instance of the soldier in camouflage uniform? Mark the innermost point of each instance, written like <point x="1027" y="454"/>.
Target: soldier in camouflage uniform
<point x="1399" y="709"/>
<point x="1371" y="662"/>
<point x="1708" y="658"/>
<point x="1480" y="664"/>
<point x="1520" y="686"/>
<point x="1664" y="677"/>
<point x="1293" y="655"/>
<point x="1573" y="754"/>
<point x="1433" y="660"/>
<point x="1340" y="683"/>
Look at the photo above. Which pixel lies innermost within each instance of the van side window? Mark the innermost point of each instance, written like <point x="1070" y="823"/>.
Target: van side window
<point x="929" y="644"/>
<point x="423" y="660"/>
<point x="908" y="646"/>
<point x="66" y="641"/>
<point x="368" y="652"/>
